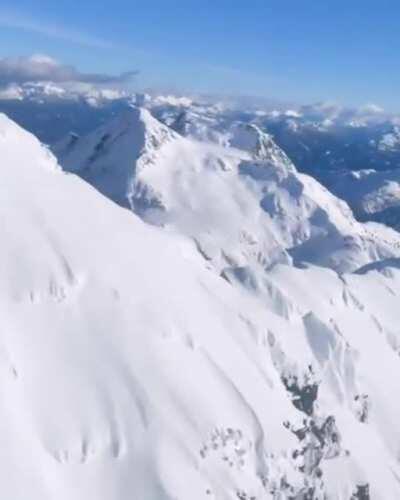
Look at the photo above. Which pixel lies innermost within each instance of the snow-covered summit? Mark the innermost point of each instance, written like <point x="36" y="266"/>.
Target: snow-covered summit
<point x="259" y="144"/>
<point x="113" y="154"/>
<point x="242" y="205"/>
<point x="135" y="123"/>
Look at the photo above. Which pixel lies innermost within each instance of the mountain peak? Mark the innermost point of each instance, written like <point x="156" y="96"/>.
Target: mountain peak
<point x="145" y="130"/>
<point x="136" y="123"/>
<point x="135" y="115"/>
<point x="111" y="155"/>
<point x="249" y="137"/>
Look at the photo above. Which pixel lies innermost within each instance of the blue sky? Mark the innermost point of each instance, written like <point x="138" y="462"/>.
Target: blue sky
<point x="295" y="50"/>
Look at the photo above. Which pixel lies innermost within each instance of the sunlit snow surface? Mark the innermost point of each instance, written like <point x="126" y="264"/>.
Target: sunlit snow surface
<point x="159" y="363"/>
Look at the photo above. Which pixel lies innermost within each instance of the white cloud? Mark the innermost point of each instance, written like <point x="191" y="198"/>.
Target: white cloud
<point x="371" y="109"/>
<point x="11" y="93"/>
<point x="37" y="68"/>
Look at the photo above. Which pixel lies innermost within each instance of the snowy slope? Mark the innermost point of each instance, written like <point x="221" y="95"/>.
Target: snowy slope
<point x="243" y="204"/>
<point x="101" y="315"/>
<point x="130" y="370"/>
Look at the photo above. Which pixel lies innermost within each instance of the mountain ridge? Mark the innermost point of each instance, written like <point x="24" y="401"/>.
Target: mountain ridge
<point x="293" y="209"/>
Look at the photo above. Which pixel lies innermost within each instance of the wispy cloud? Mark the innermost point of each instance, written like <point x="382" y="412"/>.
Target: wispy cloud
<point x="20" y="70"/>
<point x="10" y="19"/>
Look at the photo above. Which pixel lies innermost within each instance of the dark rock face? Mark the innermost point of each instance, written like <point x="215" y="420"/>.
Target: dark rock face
<point x="243" y="496"/>
<point x="361" y="493"/>
<point x="320" y="439"/>
<point x="361" y="402"/>
<point x="303" y="395"/>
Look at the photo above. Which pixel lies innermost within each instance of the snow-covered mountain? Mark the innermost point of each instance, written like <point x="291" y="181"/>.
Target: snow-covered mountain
<point x="244" y="204"/>
<point x="132" y="368"/>
<point x="327" y="142"/>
